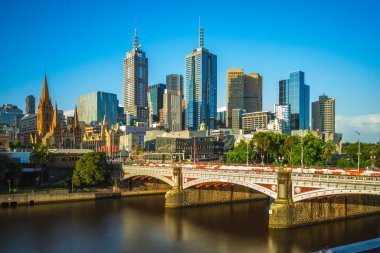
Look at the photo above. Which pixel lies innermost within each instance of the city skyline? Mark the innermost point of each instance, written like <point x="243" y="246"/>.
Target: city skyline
<point x="335" y="61"/>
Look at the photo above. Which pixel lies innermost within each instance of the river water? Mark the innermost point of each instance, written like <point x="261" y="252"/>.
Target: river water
<point x="141" y="224"/>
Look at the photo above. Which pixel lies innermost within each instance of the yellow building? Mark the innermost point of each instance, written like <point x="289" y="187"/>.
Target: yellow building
<point x="244" y="91"/>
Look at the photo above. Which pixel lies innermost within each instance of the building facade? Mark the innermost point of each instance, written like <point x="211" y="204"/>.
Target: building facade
<point x="283" y="118"/>
<point x="136" y="81"/>
<point x="244" y="91"/>
<point x="323" y="114"/>
<point x="296" y="93"/>
<point x="172" y="111"/>
<point x="254" y="121"/>
<point x="175" y="82"/>
<point x="10" y="115"/>
<point x="94" y="106"/>
<point x="237" y="118"/>
<point x="201" y="87"/>
<point x="30" y="105"/>
<point x="157" y="99"/>
<point x="27" y="128"/>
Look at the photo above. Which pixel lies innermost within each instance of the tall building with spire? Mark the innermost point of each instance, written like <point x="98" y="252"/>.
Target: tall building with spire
<point x="135" y="81"/>
<point x="201" y="87"/>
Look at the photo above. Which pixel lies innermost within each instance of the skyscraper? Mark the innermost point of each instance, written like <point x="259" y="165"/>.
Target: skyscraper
<point x="282" y="120"/>
<point x="157" y="98"/>
<point x="30" y="105"/>
<point x="323" y="114"/>
<point x="94" y="106"/>
<point x="172" y="111"/>
<point x="135" y="81"/>
<point x="175" y="82"/>
<point x="244" y="91"/>
<point x="201" y="87"/>
<point x="296" y="93"/>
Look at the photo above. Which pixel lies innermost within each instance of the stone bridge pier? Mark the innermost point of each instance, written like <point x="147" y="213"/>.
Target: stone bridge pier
<point x="221" y="193"/>
<point x="285" y="213"/>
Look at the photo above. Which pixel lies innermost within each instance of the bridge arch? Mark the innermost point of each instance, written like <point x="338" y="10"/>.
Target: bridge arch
<point x="157" y="176"/>
<point x="333" y="192"/>
<point x="250" y="185"/>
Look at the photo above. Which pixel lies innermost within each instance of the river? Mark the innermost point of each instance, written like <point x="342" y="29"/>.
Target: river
<point x="141" y="224"/>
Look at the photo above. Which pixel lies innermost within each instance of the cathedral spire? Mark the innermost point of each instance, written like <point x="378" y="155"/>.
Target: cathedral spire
<point x="55" y="126"/>
<point x="76" y="119"/>
<point x="45" y="110"/>
<point x="45" y="90"/>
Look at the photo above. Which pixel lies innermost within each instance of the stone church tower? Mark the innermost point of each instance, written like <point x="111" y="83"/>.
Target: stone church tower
<point x="45" y="111"/>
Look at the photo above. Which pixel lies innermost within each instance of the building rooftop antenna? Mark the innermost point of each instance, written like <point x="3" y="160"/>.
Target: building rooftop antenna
<point x="201" y="34"/>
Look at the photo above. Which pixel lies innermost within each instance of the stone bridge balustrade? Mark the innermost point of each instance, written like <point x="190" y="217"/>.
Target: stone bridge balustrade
<point x="300" y="198"/>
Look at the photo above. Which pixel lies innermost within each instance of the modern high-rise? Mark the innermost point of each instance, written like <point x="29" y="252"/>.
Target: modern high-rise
<point x="201" y="87"/>
<point x="175" y="82"/>
<point x="237" y="118"/>
<point x="323" y="114"/>
<point x="157" y="99"/>
<point x="10" y="115"/>
<point x="136" y="81"/>
<point x="172" y="110"/>
<point x="244" y="91"/>
<point x="30" y="105"/>
<point x="94" y="106"/>
<point x="282" y="120"/>
<point x="296" y="93"/>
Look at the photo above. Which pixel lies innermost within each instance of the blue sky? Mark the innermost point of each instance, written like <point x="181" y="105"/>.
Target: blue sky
<point x="81" y="45"/>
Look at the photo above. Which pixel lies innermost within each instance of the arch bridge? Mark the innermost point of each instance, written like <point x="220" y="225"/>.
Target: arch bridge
<point x="300" y="198"/>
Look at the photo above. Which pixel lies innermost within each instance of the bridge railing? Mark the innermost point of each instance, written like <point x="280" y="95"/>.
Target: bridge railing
<point x="336" y="178"/>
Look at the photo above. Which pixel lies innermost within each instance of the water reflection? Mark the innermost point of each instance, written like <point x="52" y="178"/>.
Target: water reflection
<point x="142" y="224"/>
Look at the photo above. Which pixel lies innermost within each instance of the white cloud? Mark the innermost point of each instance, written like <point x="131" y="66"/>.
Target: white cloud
<point x="367" y="125"/>
<point x="69" y="113"/>
<point x="221" y="109"/>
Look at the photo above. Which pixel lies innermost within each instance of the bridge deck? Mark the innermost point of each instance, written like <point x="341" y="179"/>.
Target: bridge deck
<point x="372" y="245"/>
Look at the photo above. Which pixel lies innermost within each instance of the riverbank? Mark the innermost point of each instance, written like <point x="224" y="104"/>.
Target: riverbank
<point x="14" y="200"/>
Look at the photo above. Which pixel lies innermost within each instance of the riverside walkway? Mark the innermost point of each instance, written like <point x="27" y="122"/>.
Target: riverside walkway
<point x="370" y="246"/>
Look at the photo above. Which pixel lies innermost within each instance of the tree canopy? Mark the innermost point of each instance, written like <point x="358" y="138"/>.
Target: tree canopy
<point x="91" y="169"/>
<point x="269" y="146"/>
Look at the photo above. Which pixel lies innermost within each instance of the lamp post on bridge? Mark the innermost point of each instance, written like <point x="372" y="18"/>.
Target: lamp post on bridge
<point x="281" y="160"/>
<point x="373" y="158"/>
<point x="247" y="137"/>
<point x="358" y="149"/>
<point x="302" y="150"/>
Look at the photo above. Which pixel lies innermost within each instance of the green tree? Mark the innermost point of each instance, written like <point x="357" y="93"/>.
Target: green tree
<point x="276" y="148"/>
<point x="328" y="149"/>
<point x="91" y="169"/>
<point x="262" y="143"/>
<point x="289" y="147"/>
<point x="42" y="157"/>
<point x="239" y="154"/>
<point x="16" y="145"/>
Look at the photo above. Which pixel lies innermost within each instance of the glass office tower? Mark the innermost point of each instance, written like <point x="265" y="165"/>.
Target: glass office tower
<point x="94" y="106"/>
<point x="201" y="87"/>
<point x="157" y="98"/>
<point x="296" y="93"/>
